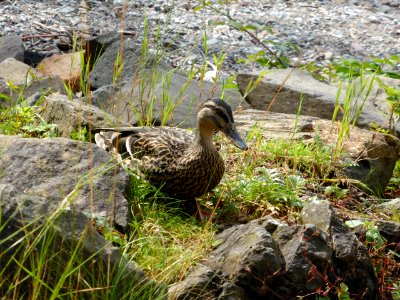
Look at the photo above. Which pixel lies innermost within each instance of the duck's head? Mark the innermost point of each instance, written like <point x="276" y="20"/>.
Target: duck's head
<point x="216" y="115"/>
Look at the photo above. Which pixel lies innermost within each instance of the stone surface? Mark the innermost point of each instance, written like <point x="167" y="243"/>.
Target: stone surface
<point x="172" y="91"/>
<point x="73" y="188"/>
<point x="390" y="231"/>
<point x="66" y="66"/>
<point x="11" y="46"/>
<point x="96" y="45"/>
<point x="333" y="29"/>
<point x="72" y="115"/>
<point x="375" y="153"/>
<point x="35" y="90"/>
<point x="308" y="253"/>
<point x="350" y="256"/>
<point x="390" y="206"/>
<point x="17" y="72"/>
<point x="269" y="259"/>
<point x="247" y="257"/>
<point x="131" y="61"/>
<point x="44" y="86"/>
<point x="41" y="176"/>
<point x="281" y="91"/>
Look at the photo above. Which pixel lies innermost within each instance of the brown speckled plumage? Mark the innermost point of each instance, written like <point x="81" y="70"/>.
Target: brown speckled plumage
<point x="183" y="164"/>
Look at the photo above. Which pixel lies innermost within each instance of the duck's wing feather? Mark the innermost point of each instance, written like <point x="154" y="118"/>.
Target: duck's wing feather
<point x="157" y="142"/>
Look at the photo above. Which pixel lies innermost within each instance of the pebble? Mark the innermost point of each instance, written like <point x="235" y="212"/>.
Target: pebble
<point x="358" y="28"/>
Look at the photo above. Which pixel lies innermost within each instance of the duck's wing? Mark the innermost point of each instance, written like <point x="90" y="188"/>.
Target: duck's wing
<point x="164" y="143"/>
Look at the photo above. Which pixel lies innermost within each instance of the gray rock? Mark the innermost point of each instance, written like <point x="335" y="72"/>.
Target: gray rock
<point x="232" y="292"/>
<point x="174" y="102"/>
<point x="72" y="115"/>
<point x="248" y="257"/>
<point x="390" y="206"/>
<point x="37" y="87"/>
<point x="351" y="261"/>
<point x="103" y="97"/>
<point x="11" y="46"/>
<point x="390" y="231"/>
<point x="295" y="260"/>
<point x="42" y="176"/>
<point x="17" y="72"/>
<point x="375" y="154"/>
<point x="67" y="186"/>
<point x="202" y="282"/>
<point x="131" y="58"/>
<point x="45" y="85"/>
<point x="281" y="90"/>
<point x="247" y="261"/>
<point x="97" y="45"/>
<point x="308" y="252"/>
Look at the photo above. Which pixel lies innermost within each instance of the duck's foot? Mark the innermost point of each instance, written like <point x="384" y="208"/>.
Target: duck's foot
<point x="204" y="215"/>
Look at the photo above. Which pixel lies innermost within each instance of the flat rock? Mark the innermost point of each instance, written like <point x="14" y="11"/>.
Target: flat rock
<point x="281" y="91"/>
<point x="375" y="153"/>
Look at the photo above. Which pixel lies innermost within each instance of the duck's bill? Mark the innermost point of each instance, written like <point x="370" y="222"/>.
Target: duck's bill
<point x="235" y="138"/>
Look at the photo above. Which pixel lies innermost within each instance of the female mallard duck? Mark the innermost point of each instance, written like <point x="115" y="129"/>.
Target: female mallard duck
<point x="183" y="164"/>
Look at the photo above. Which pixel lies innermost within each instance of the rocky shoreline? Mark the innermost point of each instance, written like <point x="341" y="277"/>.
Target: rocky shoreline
<point x="322" y="31"/>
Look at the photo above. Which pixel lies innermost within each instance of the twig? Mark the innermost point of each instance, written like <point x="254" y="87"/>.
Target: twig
<point x="36" y="36"/>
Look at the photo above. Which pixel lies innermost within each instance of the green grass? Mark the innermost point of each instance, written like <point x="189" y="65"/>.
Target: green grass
<point x="271" y="178"/>
<point x="165" y="241"/>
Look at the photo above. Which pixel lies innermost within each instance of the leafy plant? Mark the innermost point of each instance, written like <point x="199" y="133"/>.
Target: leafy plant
<point x="352" y="68"/>
<point x="25" y="121"/>
<point x="81" y="134"/>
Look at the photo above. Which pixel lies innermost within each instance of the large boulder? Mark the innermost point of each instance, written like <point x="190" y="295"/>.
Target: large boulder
<point x="105" y="72"/>
<point x="281" y="91"/>
<point x="375" y="154"/>
<point x="270" y="259"/>
<point x="42" y="176"/>
<point x="58" y="192"/>
<point x="171" y="98"/>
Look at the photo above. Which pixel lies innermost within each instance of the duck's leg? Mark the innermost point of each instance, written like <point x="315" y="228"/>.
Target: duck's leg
<point x="203" y="214"/>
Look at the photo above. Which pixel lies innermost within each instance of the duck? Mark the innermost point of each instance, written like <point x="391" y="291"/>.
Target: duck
<point x="183" y="164"/>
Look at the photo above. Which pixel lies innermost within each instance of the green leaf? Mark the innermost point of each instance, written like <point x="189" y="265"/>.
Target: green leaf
<point x="354" y="223"/>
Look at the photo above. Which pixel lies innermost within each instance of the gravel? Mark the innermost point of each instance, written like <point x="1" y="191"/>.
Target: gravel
<point x="321" y="30"/>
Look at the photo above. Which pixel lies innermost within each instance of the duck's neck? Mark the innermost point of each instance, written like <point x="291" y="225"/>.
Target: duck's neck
<point x="204" y="137"/>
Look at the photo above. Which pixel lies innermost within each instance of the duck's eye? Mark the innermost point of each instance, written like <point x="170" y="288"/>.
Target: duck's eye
<point x="222" y="114"/>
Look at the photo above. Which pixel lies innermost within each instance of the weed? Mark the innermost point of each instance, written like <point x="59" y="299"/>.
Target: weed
<point x="25" y="121"/>
<point x="80" y="135"/>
